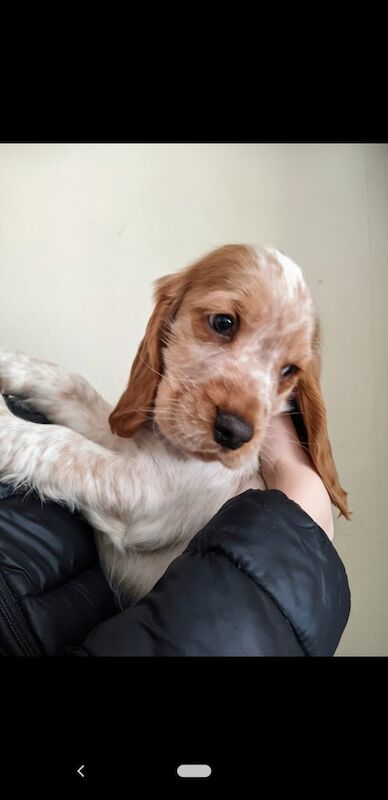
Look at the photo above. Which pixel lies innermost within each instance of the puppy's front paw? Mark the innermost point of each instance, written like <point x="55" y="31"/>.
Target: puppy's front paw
<point x="4" y="410"/>
<point x="5" y="361"/>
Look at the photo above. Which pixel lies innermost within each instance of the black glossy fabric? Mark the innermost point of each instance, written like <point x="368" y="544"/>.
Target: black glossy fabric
<point x="52" y="589"/>
<point x="261" y="579"/>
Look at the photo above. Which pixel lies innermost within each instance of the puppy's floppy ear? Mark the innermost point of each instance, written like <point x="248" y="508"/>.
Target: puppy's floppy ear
<point x="310" y="402"/>
<point x="136" y="403"/>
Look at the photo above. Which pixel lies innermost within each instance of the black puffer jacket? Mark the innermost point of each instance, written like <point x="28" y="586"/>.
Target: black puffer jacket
<point x="261" y="579"/>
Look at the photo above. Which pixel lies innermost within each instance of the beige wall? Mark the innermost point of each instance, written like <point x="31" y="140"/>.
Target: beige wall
<point x="85" y="229"/>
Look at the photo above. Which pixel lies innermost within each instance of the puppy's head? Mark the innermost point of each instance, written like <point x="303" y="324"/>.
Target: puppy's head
<point x="230" y="339"/>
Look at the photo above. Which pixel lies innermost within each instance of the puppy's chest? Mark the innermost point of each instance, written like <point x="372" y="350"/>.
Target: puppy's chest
<point x="191" y="494"/>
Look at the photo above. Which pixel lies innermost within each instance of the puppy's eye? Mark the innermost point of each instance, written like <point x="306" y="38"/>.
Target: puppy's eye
<point x="224" y="324"/>
<point x="288" y="371"/>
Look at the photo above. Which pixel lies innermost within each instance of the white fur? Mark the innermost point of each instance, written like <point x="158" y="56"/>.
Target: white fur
<point x="124" y="487"/>
<point x="144" y="498"/>
<point x="292" y="272"/>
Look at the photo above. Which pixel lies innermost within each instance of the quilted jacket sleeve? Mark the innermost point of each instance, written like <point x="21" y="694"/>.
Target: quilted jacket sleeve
<point x="261" y="579"/>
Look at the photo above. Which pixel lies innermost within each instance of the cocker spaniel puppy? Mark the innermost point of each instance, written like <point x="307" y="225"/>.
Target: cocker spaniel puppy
<point x="232" y="339"/>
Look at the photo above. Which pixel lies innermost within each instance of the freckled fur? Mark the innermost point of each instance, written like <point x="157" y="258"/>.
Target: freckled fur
<point x="148" y="473"/>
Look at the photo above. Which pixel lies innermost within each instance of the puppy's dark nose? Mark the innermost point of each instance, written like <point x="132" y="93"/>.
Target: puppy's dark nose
<point x="231" y="431"/>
